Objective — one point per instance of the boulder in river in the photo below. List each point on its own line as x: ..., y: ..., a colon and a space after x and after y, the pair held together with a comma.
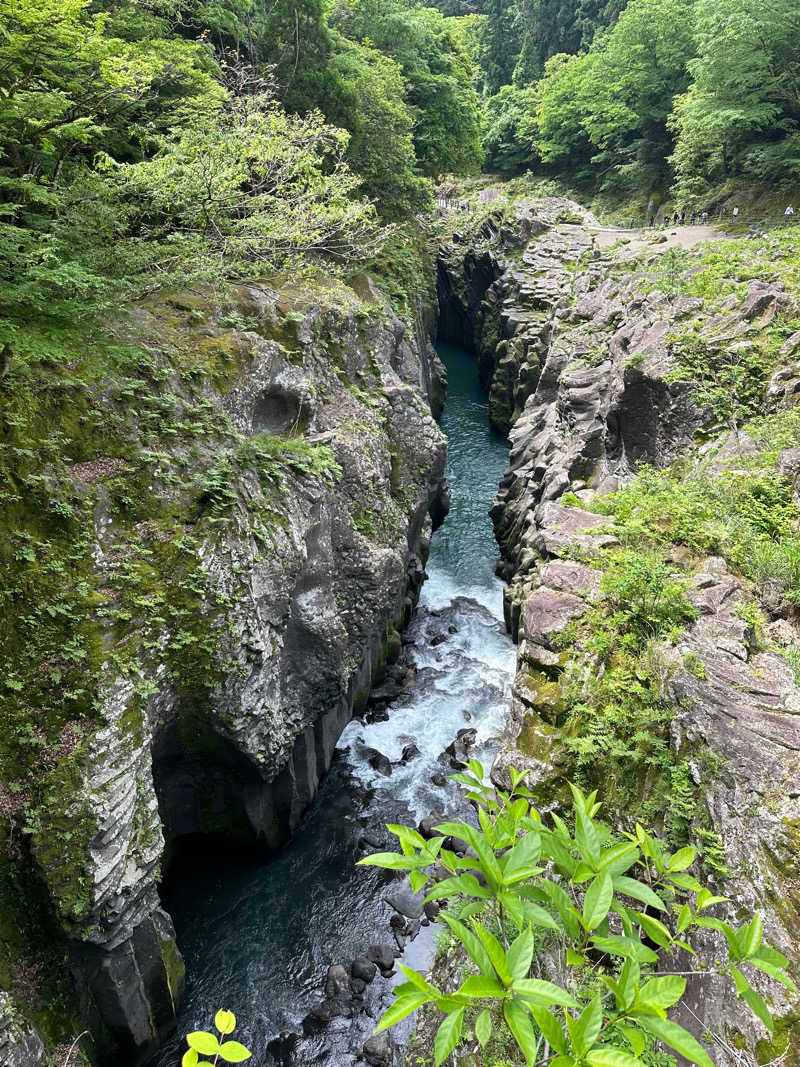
x: 410, y: 751
x: 378, y: 1050
x: 404, y: 900
x: 363, y: 969
x: 337, y: 982
x: 282, y: 1047
x: 382, y: 955
x: 380, y: 763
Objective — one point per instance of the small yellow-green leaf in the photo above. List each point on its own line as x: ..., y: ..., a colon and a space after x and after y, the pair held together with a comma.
x: 189, y: 1058
x: 204, y: 1043
x: 233, y: 1052
x: 225, y: 1022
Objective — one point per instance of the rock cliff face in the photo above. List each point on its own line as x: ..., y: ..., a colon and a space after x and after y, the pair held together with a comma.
x: 582, y: 355
x: 255, y: 593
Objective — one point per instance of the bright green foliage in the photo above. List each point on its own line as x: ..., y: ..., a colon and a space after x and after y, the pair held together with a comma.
x: 614, y: 101
x: 506, y: 137
x: 439, y: 96
x: 252, y: 186
x: 500, y: 44
x: 203, y: 1043
x: 646, y: 597
x: 601, y: 906
x: 749, y: 518
x: 741, y: 115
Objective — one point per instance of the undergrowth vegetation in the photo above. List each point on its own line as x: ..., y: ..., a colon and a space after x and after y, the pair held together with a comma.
x: 566, y: 928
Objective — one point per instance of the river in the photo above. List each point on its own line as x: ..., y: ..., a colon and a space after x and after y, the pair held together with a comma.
x: 258, y: 936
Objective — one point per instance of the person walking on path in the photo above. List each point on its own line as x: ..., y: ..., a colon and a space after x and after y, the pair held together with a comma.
x: 652, y: 221
x: 694, y: 218
x: 789, y: 212
x: 735, y: 213
x: 683, y: 217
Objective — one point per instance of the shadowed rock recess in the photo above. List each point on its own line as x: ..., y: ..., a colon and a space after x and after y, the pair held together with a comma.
x: 303, y: 474
x: 580, y: 350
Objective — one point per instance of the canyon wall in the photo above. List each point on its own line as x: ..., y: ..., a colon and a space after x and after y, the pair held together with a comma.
x: 256, y: 528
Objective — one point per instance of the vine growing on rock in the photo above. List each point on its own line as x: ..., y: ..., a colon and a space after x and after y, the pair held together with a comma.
x: 577, y: 936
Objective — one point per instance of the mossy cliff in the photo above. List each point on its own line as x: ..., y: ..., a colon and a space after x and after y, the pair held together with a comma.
x: 214, y: 516
x: 648, y: 527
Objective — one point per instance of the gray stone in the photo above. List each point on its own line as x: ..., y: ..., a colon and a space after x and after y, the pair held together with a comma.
x: 378, y: 1050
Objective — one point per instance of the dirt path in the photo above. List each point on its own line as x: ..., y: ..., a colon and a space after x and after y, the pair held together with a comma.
x: 676, y: 237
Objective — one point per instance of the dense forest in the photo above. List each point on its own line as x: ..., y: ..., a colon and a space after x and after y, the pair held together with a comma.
x: 142, y: 140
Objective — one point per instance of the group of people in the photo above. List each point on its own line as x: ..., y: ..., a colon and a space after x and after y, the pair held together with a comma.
x: 678, y: 219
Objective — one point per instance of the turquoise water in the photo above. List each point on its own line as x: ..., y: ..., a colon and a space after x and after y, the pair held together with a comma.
x: 258, y: 936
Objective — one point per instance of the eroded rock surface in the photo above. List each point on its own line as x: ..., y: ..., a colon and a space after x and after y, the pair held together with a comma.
x: 331, y: 470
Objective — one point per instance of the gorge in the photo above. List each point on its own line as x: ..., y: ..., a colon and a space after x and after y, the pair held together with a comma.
x: 227, y: 707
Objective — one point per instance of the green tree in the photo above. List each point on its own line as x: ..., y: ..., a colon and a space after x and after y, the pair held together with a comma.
x: 741, y: 115
x: 500, y: 44
x: 438, y: 76
x: 381, y: 146
x: 616, y: 99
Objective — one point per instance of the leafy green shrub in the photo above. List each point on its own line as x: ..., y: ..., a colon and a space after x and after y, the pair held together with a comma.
x: 203, y: 1043
x: 647, y: 598
x: 602, y: 905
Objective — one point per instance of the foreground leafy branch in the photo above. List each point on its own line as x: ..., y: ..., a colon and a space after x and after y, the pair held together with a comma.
x: 203, y: 1043
x: 607, y: 908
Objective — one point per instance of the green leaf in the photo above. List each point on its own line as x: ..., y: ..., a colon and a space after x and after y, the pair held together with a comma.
x: 618, y: 858
x: 632, y: 887
x: 410, y: 840
x: 662, y: 992
x: 521, y: 861
x: 545, y: 992
x: 471, y: 943
x: 685, y: 881
x: 586, y: 837
x: 495, y: 951
x: 598, y: 900
x: 585, y: 1030
x: 520, y: 1025
x: 630, y: 948
x: 483, y: 1028
x: 635, y: 1039
x: 225, y: 1022
x: 550, y: 1027
x: 682, y: 859
x: 774, y: 972
x: 417, y: 981
x: 189, y: 1058
x: 520, y: 954
x: 478, y: 985
x: 206, y: 1044
x: 448, y: 1036
x: 402, y: 1007
x: 611, y: 1057
x: 233, y: 1052
x: 756, y: 1004
x: 753, y: 935
x: 391, y: 861
x: 569, y: 915
x: 654, y: 929
x: 467, y: 884
x: 677, y: 1038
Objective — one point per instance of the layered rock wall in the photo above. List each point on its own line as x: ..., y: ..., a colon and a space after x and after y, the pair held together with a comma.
x: 578, y: 348
x: 304, y: 507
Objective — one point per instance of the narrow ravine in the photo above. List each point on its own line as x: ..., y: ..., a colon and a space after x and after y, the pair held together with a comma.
x: 258, y: 937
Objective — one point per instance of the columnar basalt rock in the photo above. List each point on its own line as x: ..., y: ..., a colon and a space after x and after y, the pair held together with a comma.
x: 315, y: 572
x: 581, y: 366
